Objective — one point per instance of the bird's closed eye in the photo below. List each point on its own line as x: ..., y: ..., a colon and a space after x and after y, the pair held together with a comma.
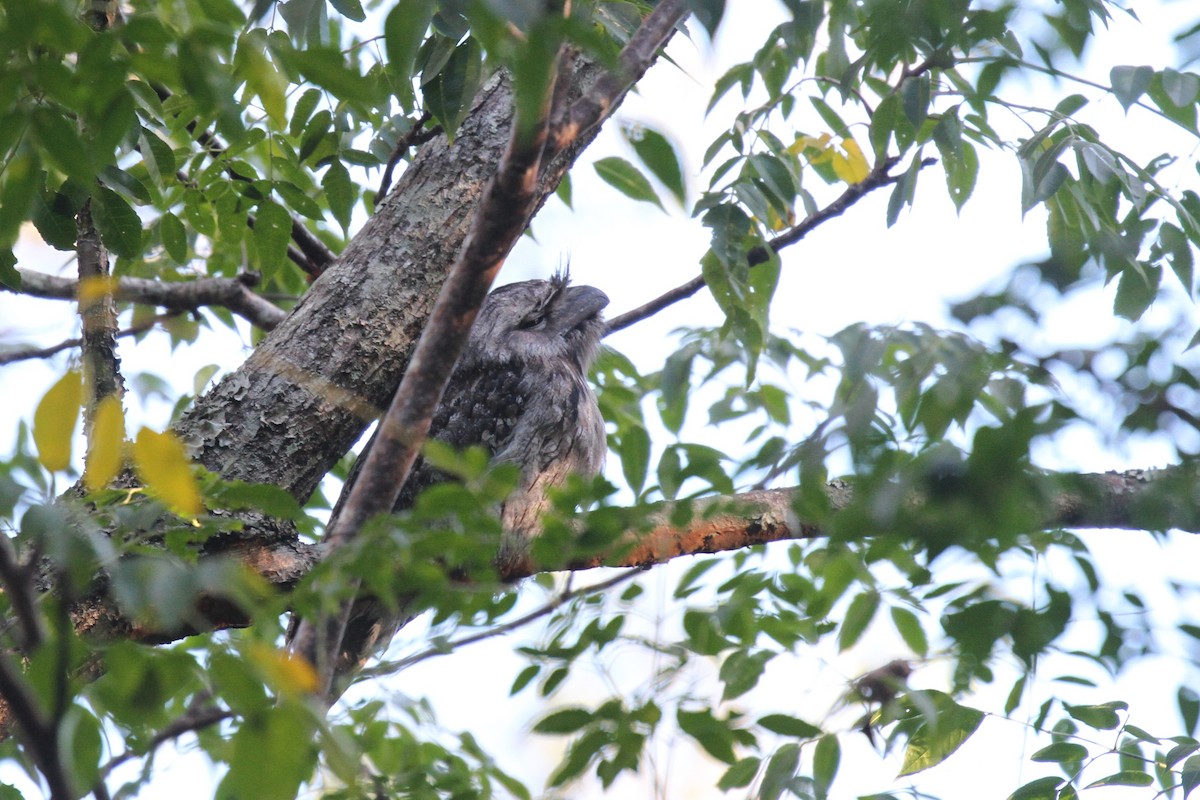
x: 532, y: 321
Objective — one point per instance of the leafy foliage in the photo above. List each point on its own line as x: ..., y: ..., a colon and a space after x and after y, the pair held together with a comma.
x: 206, y: 135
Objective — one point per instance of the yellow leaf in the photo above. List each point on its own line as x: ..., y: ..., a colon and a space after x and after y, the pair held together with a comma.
x: 853, y: 167
x: 104, y: 457
x: 162, y: 466
x: 286, y: 672
x: 54, y: 421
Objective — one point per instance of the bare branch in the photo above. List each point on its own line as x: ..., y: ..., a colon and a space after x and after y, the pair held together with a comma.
x: 45, y: 352
x: 232, y: 293
x: 877, y: 178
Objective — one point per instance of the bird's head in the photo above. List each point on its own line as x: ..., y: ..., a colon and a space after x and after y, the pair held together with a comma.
x: 540, y: 320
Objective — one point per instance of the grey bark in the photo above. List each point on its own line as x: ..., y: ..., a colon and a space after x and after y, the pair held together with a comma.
x: 313, y: 385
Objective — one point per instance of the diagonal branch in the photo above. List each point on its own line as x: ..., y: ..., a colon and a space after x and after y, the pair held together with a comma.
x: 232, y: 293
x: 639, y: 53
x: 877, y: 178
x: 500, y: 219
x: 510, y: 199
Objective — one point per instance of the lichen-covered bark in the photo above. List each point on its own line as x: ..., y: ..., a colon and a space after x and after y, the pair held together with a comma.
x: 313, y: 385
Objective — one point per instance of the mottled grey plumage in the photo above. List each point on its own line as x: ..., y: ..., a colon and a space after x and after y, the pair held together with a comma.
x: 520, y: 391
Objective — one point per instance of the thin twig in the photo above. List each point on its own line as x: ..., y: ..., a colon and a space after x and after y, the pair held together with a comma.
x: 46, y: 352
x: 387, y: 668
x: 232, y: 293
x: 415, y: 135
x: 877, y: 178
x: 196, y: 718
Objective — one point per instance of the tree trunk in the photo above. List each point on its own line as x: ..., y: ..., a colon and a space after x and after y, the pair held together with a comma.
x: 320, y: 377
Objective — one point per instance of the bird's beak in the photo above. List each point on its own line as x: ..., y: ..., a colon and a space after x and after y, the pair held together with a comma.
x: 577, y: 305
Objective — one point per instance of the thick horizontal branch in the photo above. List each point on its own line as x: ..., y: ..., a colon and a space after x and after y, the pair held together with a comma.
x: 1133, y: 500
x: 232, y: 293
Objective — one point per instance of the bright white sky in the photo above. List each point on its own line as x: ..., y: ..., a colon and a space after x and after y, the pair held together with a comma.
x: 851, y: 269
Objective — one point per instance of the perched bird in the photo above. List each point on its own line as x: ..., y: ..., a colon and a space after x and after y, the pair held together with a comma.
x: 520, y: 391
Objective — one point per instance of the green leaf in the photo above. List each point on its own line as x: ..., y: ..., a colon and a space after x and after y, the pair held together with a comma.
x: 524, y: 678
x: 1182, y: 88
x: 714, y: 735
x: 914, y: 95
x: 1069, y: 105
x: 910, y: 629
x: 272, y: 500
x: 789, y: 726
x: 626, y: 179
x: 1061, y: 752
x: 54, y: 218
x: 21, y: 180
x: 675, y: 388
x: 781, y: 769
x: 272, y: 233
x: 449, y: 93
x: 1040, y: 789
x: 119, y: 225
x: 174, y: 237
x: 330, y: 69
x: 836, y: 125
x: 1102, y: 716
x: 826, y: 758
x: 351, y: 9
x: 660, y: 156
x: 59, y: 139
x: 261, y: 75
x: 940, y: 734
x: 9, y: 276
x: 339, y: 192
x: 1189, y: 776
x: 635, y: 456
x: 1125, y: 777
x: 1136, y: 290
x: 80, y: 746
x: 303, y: 110
x: 568, y: 720
x: 708, y: 13
x: 737, y: 776
x: 403, y: 31
x: 740, y: 672
x: 1189, y: 708
x: 272, y: 754
x: 858, y: 616
x: 1130, y: 83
